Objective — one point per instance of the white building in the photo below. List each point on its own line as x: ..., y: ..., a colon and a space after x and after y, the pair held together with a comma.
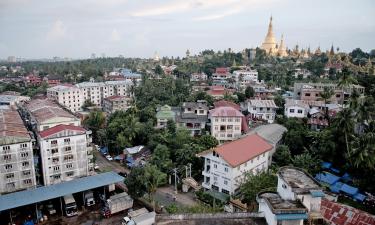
x: 66, y: 153
x: 246, y: 77
x: 12, y: 99
x: 226, y: 165
x: 226, y: 123
x: 298, y: 198
x: 116, y: 102
x: 44, y: 114
x: 16, y: 153
x: 262, y: 109
x: 296, y: 108
x: 198, y: 77
x: 73, y: 97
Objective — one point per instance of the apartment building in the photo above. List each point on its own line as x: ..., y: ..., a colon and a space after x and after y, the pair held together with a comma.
x: 73, y: 97
x: 195, y: 77
x: 116, y: 102
x: 221, y: 77
x: 226, y: 165
x: 66, y: 153
x: 193, y: 116
x: 16, y: 153
x: 245, y: 77
x: 226, y: 123
x: 311, y: 91
x: 262, y: 109
x: 43, y: 114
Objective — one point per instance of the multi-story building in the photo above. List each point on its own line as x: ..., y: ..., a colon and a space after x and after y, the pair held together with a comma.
x: 16, y: 153
x: 245, y: 77
x: 226, y: 165
x: 66, y: 153
x: 74, y: 97
x: 43, y: 114
x: 296, y: 108
x: 262, y: 109
x: 163, y: 114
x: 221, y: 77
x: 12, y: 99
x: 311, y: 91
x: 116, y: 102
x: 195, y: 77
x: 226, y: 123
x: 193, y: 116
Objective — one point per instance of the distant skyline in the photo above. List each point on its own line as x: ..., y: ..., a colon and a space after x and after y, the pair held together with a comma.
x: 77, y: 28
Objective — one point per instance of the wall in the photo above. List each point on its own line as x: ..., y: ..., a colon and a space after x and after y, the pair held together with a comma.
x: 235, y: 132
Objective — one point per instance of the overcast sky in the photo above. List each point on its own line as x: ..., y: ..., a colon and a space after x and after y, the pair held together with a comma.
x: 138, y: 28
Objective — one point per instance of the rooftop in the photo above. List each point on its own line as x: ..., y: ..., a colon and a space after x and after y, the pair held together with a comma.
x: 279, y: 205
x: 68, y: 131
x: 27, y: 197
x: 44, y: 109
x: 300, y: 181
x: 12, y: 129
x: 242, y: 150
x: 262, y: 103
x: 116, y: 98
x: 225, y: 111
x: 226, y: 103
x: 63, y: 87
x: 271, y: 132
x: 8, y: 98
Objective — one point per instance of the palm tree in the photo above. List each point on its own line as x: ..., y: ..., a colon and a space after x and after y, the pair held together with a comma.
x: 346, y: 80
x: 325, y: 96
x: 344, y: 123
x: 154, y: 178
x: 363, y: 151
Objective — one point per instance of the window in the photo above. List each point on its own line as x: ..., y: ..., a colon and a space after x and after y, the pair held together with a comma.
x: 225, y: 191
x: 237, y: 119
x: 229, y: 127
x: 25, y: 164
x: 258, y: 157
x: 263, y: 154
x: 28, y: 181
x: 230, y: 120
x: 56, y: 168
x: 223, y: 119
x: 291, y: 110
x: 69, y: 166
x: 300, y: 111
x: 7, y: 157
x: 307, y: 94
x: 67, y: 140
x: 9, y: 175
x: 216, y: 120
x: 6, y: 148
x: 215, y: 166
x: 24, y: 154
x: 229, y: 135
x: 237, y: 127
x: 69, y: 174
x: 54, y: 142
x: 26, y: 173
x: 55, y: 160
x: 225, y: 182
x: 215, y: 178
x: 54, y: 150
x: 338, y: 96
x: 226, y: 169
x: 8, y: 166
x: 24, y: 145
x: 68, y: 148
x: 222, y: 128
x: 68, y: 157
x: 216, y: 128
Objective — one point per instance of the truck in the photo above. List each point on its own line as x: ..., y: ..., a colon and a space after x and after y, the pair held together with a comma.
x: 70, y: 205
x: 117, y: 203
x: 139, y: 217
x: 89, y: 198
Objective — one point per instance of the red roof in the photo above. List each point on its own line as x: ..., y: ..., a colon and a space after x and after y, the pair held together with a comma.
x: 59, y: 128
x: 225, y: 111
x: 114, y: 97
x: 226, y: 103
x: 336, y: 213
x: 242, y: 150
x: 222, y: 70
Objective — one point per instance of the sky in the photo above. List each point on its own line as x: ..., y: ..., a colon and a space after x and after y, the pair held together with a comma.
x: 139, y: 28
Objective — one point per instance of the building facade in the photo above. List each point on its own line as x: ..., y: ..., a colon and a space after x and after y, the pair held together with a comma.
x: 196, y: 77
x: 164, y: 113
x: 66, y: 153
x: 262, y: 109
x: 226, y: 165
x: 244, y: 78
x: 17, y: 170
x: 116, y: 102
x: 193, y: 116
x: 226, y: 123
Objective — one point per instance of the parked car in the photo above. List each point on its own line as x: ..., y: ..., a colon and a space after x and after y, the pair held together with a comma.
x: 109, y: 157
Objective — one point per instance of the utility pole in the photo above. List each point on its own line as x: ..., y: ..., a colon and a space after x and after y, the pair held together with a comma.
x: 175, y: 180
x: 186, y: 171
x: 189, y: 169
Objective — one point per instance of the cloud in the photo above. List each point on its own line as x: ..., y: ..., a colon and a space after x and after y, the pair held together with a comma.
x: 57, y: 31
x: 115, y: 36
x: 217, y: 16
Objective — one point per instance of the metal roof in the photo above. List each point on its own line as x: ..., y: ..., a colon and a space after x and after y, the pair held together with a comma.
x: 27, y: 197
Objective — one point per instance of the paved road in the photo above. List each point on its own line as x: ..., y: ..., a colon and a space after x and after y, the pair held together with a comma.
x: 165, y: 196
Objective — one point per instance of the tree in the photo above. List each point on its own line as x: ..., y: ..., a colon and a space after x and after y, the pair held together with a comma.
x: 249, y: 92
x: 362, y: 154
x: 346, y: 79
x: 171, y: 127
x: 344, y: 124
x: 253, y: 184
x: 161, y: 158
x: 207, y: 142
x: 153, y: 179
x: 307, y: 162
x: 326, y: 96
x: 136, y: 182
x: 159, y: 70
x: 282, y: 156
x: 94, y: 122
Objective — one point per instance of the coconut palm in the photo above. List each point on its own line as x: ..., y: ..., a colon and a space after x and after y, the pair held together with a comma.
x: 344, y: 122
x: 362, y: 153
x: 325, y: 96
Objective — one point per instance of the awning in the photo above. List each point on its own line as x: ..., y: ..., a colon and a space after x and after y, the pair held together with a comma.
x: 27, y: 197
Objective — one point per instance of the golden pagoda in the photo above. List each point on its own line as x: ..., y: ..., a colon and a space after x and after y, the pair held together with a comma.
x: 282, y: 49
x: 269, y: 44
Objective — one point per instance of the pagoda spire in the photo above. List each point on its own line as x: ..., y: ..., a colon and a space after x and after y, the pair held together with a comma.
x: 269, y: 44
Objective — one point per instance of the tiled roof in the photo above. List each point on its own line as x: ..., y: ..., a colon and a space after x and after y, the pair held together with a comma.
x: 339, y: 214
x: 43, y: 109
x: 225, y: 111
x: 242, y: 150
x: 59, y: 128
x: 116, y: 97
x: 12, y: 129
x: 226, y: 103
x: 262, y: 103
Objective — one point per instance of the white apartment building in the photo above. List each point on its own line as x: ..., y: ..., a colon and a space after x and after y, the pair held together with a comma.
x: 244, y: 78
x: 226, y: 123
x: 262, y: 109
x: 198, y: 77
x: 66, y: 153
x: 73, y: 97
x: 16, y: 153
x: 116, y: 102
x: 296, y: 108
x: 43, y: 114
x: 226, y: 165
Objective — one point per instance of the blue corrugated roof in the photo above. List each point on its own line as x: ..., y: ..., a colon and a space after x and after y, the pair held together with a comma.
x: 27, y: 197
x: 359, y: 197
x: 292, y: 216
x: 349, y: 189
x: 336, y: 187
x: 326, y: 165
x: 317, y: 193
x: 327, y: 178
